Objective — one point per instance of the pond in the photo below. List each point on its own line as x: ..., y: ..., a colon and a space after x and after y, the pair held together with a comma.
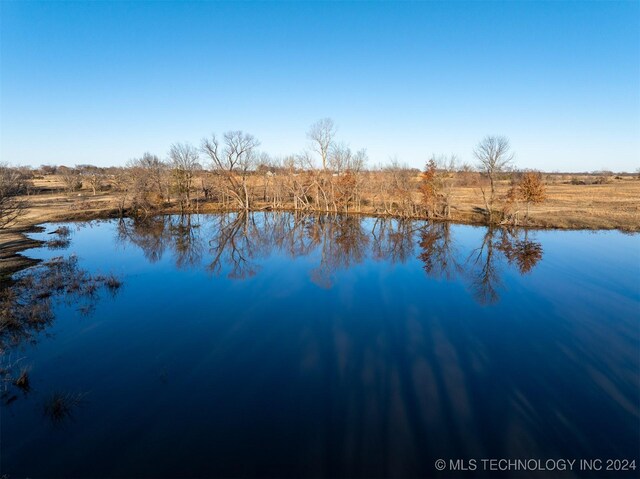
x: 283, y: 345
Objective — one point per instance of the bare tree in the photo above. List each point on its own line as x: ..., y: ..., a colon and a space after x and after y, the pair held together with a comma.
x: 147, y: 184
x: 95, y: 181
x: 156, y: 171
x: 184, y: 162
x: 12, y: 185
x: 321, y: 133
x: 48, y: 169
x: 494, y: 156
x: 339, y: 157
x: 121, y: 184
x: 396, y: 189
x: 71, y: 179
x: 234, y: 159
x: 345, y: 184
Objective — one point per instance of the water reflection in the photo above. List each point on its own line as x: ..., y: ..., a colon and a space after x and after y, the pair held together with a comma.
x: 279, y: 345
x: 438, y: 252
x: 27, y: 304
x: 236, y: 244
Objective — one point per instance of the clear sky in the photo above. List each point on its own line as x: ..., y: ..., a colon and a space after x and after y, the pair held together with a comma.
x: 102, y: 82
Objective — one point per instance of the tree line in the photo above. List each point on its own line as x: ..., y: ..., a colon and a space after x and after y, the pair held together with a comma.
x: 230, y: 172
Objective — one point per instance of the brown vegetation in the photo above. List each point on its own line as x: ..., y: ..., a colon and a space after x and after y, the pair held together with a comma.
x: 392, y: 191
x: 26, y: 308
x: 26, y: 302
x: 389, y: 191
x: 236, y: 176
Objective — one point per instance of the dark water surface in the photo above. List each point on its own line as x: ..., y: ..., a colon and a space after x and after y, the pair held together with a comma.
x: 276, y: 345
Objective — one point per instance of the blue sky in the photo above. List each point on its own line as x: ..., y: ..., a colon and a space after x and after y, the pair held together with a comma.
x: 102, y: 82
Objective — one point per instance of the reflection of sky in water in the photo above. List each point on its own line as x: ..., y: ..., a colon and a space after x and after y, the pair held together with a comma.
x: 349, y: 348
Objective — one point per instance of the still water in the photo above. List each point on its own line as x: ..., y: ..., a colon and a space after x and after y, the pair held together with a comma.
x: 280, y: 345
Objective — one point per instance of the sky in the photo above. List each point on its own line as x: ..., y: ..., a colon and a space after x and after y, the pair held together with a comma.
x: 103, y: 82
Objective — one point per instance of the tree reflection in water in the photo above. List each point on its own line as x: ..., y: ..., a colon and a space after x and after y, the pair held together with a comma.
x: 371, y: 377
x: 27, y: 305
x: 439, y: 254
x: 235, y: 243
x: 393, y: 239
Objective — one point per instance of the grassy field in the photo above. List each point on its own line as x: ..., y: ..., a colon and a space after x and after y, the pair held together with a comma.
x: 612, y: 205
x: 573, y: 202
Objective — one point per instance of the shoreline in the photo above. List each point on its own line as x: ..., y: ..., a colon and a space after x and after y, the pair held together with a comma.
x: 15, y: 240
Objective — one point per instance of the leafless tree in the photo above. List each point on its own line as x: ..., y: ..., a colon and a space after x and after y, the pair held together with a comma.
x: 184, y: 162
x: 341, y: 158
x: 71, y: 179
x: 346, y: 187
x: 122, y: 185
x: 494, y: 156
x: 321, y: 133
x: 95, y: 181
x: 233, y: 160
x: 48, y: 169
x: 396, y: 190
x: 157, y: 172
x: 148, y: 184
x: 91, y: 175
x: 12, y: 185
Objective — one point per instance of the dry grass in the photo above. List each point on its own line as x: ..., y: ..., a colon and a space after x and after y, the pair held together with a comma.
x: 615, y: 204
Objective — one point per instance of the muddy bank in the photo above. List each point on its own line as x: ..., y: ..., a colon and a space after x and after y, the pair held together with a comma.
x: 12, y: 243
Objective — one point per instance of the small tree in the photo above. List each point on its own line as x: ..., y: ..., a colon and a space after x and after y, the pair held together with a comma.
x: 428, y: 186
x: 436, y: 184
x: 121, y: 183
x: 12, y: 185
x: 531, y: 189
x: 494, y: 156
x: 321, y: 133
x: 156, y: 171
x: 184, y: 162
x: 71, y: 179
x: 397, y: 189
